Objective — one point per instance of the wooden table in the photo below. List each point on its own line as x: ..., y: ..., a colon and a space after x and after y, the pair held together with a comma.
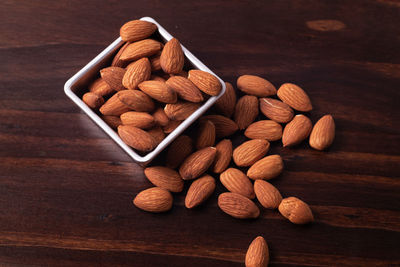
x: 66, y: 189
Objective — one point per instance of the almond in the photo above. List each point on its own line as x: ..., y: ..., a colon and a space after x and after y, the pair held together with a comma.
x: 250, y: 151
x: 137, y: 138
x: 158, y: 91
x: 157, y: 78
x: 136, y: 100
x: 223, y: 156
x: 276, y: 110
x: 180, y: 110
x: 266, y: 168
x: 296, y: 211
x: 143, y: 48
x: 112, y: 121
x: 178, y: 151
x: 113, y: 77
x: 172, y: 58
x: 323, y: 133
x: 257, y: 254
x: 264, y: 129
x: 223, y: 125
x: 237, y: 182
x: 296, y: 131
x: 155, y: 62
x: 205, y: 81
x: 136, y: 30
x: 246, y: 111
x: 238, y: 206
x: 165, y: 178
x: 182, y: 73
x: 197, y: 163
x: 171, y: 126
x: 226, y: 104
x: 100, y: 87
x: 295, y: 97
x: 114, y: 106
x: 205, y: 135
x: 157, y: 133
x: 141, y: 120
x: 93, y: 100
x: 117, y: 62
x: 267, y: 194
x: 199, y: 191
x: 154, y: 199
x: 160, y: 117
x: 254, y: 85
x: 137, y: 72
x: 185, y: 89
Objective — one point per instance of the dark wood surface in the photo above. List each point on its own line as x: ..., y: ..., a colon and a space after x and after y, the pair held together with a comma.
x: 66, y: 189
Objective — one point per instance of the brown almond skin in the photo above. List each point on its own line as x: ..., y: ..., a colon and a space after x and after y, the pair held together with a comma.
x: 223, y: 125
x: 206, y: 135
x: 250, y: 151
x: 171, y: 126
x: 295, y: 97
x: 296, y: 131
x: 137, y: 138
x: 255, y: 85
x: 323, y: 133
x: 157, y: 78
x: 137, y: 72
x: 154, y: 199
x: 93, y: 100
x: 117, y: 62
x: 160, y: 117
x: 197, y: 163
x: 179, y: 149
x: 238, y: 206
x: 296, y: 210
x: 185, y: 89
x: 223, y: 156
x: 267, y: 194
x: 199, y: 191
x: 258, y: 253
x: 172, y: 58
x: 276, y: 110
x: 136, y: 30
x: 266, y: 168
x: 112, y: 121
x: 136, y: 100
x: 158, y: 91
x: 114, y: 106
x: 100, y: 87
x: 180, y: 110
x: 164, y: 177
x: 113, y: 77
x: 264, y: 129
x: 141, y: 120
x: 139, y: 49
x: 205, y: 81
x: 237, y: 182
x: 246, y: 111
x: 157, y: 133
x: 155, y: 62
x: 227, y: 103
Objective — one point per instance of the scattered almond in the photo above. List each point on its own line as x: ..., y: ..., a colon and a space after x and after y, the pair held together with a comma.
x: 172, y: 58
x: 137, y: 72
x: 295, y: 97
x: 223, y: 125
x: 250, y: 151
x: 226, y: 104
x: 154, y: 199
x: 276, y: 110
x: 237, y: 182
x: 199, y: 191
x: 238, y: 206
x: 264, y: 129
x: 267, y: 194
x: 158, y: 91
x: 223, y: 156
x: 254, y: 85
x: 136, y: 100
x: 139, y: 49
x: 205, y: 135
x: 246, y: 111
x: 93, y: 100
x: 117, y: 62
x: 185, y: 89
x: 323, y: 133
x: 197, y: 163
x: 180, y: 149
x: 180, y: 110
x: 165, y: 178
x: 113, y: 77
x: 114, y: 106
x: 136, y: 30
x: 296, y: 211
x: 296, y: 131
x: 100, y: 87
x: 205, y: 81
x: 141, y: 120
x: 266, y: 168
x: 257, y: 254
x: 136, y: 138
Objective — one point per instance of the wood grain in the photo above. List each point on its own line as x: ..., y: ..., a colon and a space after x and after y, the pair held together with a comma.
x: 66, y: 189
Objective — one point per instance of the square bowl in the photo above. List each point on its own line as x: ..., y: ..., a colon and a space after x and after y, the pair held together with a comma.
x: 78, y: 84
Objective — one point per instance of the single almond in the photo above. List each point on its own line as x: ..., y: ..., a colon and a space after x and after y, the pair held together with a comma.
x: 223, y: 156
x: 267, y: 194
x: 199, y: 191
x: 172, y: 58
x: 254, y: 85
x: 296, y: 210
x: 250, y: 151
x: 223, y: 125
x: 136, y: 100
x: 160, y: 117
x: 257, y: 254
x: 100, y: 87
x: 238, y: 206
x: 136, y: 30
x: 205, y: 135
x: 246, y: 111
x: 117, y: 62
x: 171, y: 126
x: 137, y: 72
x: 139, y: 49
x: 93, y: 100
x: 158, y: 91
x: 154, y: 199
x: 179, y: 149
x: 205, y: 81
x: 165, y: 178
x: 180, y: 110
x: 323, y: 133
x: 114, y: 106
x: 185, y: 89
x: 226, y: 104
x: 155, y: 62
x: 136, y: 138
x: 157, y: 133
x: 266, y: 168
x: 138, y: 119
x: 112, y: 121
x: 295, y: 97
x: 197, y: 163
x: 276, y: 110
x: 296, y: 131
x: 264, y: 129
x: 237, y: 182
x: 113, y: 77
